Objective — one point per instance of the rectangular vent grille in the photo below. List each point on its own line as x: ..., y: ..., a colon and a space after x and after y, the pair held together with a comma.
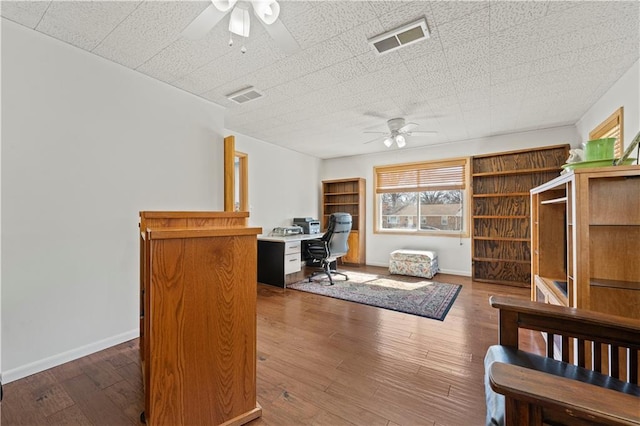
x: 400, y: 37
x: 244, y: 95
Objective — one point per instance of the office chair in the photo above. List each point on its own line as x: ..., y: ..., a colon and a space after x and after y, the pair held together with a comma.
x: 331, y: 246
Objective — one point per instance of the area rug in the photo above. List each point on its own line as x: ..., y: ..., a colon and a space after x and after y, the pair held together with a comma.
x: 416, y: 296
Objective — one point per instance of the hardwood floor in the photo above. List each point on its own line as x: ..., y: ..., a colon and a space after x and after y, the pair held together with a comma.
x: 321, y: 361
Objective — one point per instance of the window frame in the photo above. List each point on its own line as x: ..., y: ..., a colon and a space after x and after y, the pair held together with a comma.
x: 616, y: 119
x: 436, y: 164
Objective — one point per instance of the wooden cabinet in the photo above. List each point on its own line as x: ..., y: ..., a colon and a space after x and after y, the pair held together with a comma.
x: 586, y: 240
x: 501, y: 247
x: 348, y: 196
x: 198, y: 318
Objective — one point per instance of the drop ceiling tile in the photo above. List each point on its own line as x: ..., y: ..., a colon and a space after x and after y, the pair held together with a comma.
x: 347, y: 70
x: 555, y: 62
x: 512, y: 13
x: 150, y: 28
x: 84, y: 24
x: 374, y: 62
x: 432, y: 91
x: 472, y: 50
x: 381, y: 7
x: 424, y: 64
x: 509, y: 59
x: 27, y: 13
x: 465, y: 29
x: 429, y: 72
x: 471, y: 69
x: 408, y: 12
x: 180, y: 59
x: 448, y: 11
x: 325, y: 54
x: 560, y: 6
x: 356, y: 39
x: 326, y: 20
x: 472, y: 83
x: 346, y: 14
x: 293, y: 8
x: 504, y: 75
x: 520, y: 37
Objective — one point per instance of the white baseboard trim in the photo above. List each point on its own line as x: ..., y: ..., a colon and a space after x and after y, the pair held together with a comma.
x: 444, y: 271
x: 55, y: 360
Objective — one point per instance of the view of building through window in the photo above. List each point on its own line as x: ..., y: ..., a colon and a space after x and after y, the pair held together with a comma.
x: 430, y: 210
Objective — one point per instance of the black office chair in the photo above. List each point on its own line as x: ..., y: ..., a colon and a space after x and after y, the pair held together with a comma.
x: 331, y: 246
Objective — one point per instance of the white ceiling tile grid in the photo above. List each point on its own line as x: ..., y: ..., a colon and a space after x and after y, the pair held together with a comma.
x: 489, y: 67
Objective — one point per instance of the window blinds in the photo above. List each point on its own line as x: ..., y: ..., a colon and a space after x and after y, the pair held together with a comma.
x: 611, y: 128
x: 418, y: 177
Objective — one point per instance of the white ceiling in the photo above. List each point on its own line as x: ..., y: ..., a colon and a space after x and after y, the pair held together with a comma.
x: 489, y: 67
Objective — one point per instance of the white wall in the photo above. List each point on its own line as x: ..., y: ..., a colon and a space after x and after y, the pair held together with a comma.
x: 454, y: 253
x: 283, y: 184
x: 626, y: 93
x: 86, y: 145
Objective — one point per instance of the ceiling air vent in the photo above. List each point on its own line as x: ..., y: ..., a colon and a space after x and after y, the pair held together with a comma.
x: 400, y: 37
x: 245, y: 95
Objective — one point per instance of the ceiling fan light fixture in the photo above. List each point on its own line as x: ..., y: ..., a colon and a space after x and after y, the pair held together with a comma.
x: 224, y: 5
x: 266, y: 10
x: 239, y: 22
x: 400, y: 140
x: 388, y: 142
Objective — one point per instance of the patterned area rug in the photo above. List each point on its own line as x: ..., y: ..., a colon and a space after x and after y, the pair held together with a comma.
x: 411, y: 295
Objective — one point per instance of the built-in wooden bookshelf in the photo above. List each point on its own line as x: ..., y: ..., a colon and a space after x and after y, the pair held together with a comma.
x: 586, y: 234
x: 501, y: 247
x: 348, y: 196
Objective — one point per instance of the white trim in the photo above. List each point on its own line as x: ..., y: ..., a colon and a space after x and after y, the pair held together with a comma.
x: 55, y: 360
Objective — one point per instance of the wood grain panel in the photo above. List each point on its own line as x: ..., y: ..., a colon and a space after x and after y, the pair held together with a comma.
x: 607, y: 248
x: 607, y: 196
x: 501, y: 206
x: 505, y: 184
x: 514, y: 250
x: 353, y: 255
x: 501, y: 228
x: 202, y: 365
x: 521, y: 160
x: 503, y: 272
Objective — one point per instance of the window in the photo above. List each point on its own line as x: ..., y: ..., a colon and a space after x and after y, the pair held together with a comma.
x: 422, y: 198
x: 611, y: 128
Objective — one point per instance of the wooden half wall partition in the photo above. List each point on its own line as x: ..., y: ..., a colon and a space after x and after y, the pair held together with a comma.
x: 198, y: 275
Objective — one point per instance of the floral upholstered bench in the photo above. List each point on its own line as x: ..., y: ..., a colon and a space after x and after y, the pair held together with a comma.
x: 417, y: 263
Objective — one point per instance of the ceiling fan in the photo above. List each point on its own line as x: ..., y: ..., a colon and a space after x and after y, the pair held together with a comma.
x: 399, y: 130
x: 267, y: 12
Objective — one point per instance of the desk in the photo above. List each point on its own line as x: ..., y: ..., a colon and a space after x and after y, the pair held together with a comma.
x: 280, y: 259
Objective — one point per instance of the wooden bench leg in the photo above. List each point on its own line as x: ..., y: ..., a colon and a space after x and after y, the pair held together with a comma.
x: 520, y: 413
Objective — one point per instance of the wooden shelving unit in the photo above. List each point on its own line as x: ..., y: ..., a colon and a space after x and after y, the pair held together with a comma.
x: 586, y: 234
x: 501, y: 249
x: 347, y: 195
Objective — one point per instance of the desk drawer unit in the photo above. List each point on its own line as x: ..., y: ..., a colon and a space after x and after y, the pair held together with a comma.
x: 277, y: 259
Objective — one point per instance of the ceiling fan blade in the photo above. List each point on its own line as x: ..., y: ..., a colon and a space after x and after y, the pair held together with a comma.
x: 407, y: 127
x: 424, y: 132
x: 382, y: 133
x: 374, y: 114
x: 203, y: 23
x: 281, y: 35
